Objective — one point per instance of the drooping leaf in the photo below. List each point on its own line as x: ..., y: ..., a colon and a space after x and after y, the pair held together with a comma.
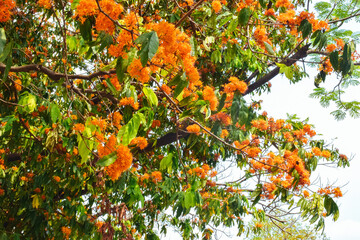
x: 149, y: 45
x: 107, y: 160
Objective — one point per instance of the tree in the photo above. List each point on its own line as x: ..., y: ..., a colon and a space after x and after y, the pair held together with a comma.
x: 116, y: 116
x: 288, y: 228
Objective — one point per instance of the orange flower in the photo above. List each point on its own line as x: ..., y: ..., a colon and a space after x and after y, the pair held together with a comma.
x: 260, y: 124
x: 129, y: 101
x: 137, y: 71
x: 45, y: 4
x: 122, y: 163
x: 6, y: 7
x: 140, y: 142
x: 194, y: 128
x: 156, y: 123
x: 326, y: 154
x: 234, y: 85
x: 216, y: 5
x: 156, y: 176
x: 57, y: 178
x: 306, y: 193
x: 79, y: 127
x: 316, y: 151
x: 113, y: 10
x: 331, y: 47
x: 209, y: 95
x: 66, y: 231
x: 224, y: 133
x: 18, y: 85
x: 270, y: 12
x: 86, y: 8
x: 222, y: 117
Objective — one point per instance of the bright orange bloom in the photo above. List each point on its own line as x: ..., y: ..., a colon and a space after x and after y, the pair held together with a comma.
x: 86, y: 8
x: 140, y: 142
x: 270, y: 12
x: 260, y: 124
x: 222, y: 117
x: 326, y: 154
x: 18, y: 85
x: 113, y: 10
x: 79, y: 127
x: 306, y: 193
x: 216, y: 5
x: 209, y: 95
x: 66, y: 231
x: 235, y: 85
x: 129, y: 101
x: 137, y: 71
x: 193, y: 128
x: 45, y: 3
x: 316, y: 151
x: 6, y: 7
x: 224, y: 133
x: 57, y: 178
x: 331, y: 47
x: 156, y: 176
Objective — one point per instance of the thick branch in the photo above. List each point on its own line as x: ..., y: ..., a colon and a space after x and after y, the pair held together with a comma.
x: 52, y: 74
x: 302, y: 53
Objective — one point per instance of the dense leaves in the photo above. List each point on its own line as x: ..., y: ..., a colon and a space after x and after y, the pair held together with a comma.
x: 127, y: 119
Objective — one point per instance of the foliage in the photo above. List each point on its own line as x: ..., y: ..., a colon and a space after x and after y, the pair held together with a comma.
x: 116, y: 116
x: 289, y: 228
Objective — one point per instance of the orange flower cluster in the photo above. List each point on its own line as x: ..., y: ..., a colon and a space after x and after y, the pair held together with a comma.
x: 125, y: 38
x: 137, y: 71
x: 140, y: 142
x: 155, y: 124
x: 209, y: 95
x: 113, y: 10
x: 57, y: 178
x: 115, y: 82
x: 101, y: 123
x: 194, y: 128
x: 129, y: 101
x: 222, y: 117
x: 224, y: 133
x: 6, y: 7
x: 260, y: 36
x: 18, y: 85
x: 174, y: 50
x: 156, y: 176
x: 87, y: 8
x: 260, y: 124
x: 326, y: 66
x: 235, y: 85
x: 123, y: 157
x: 269, y: 12
x: 201, y: 172
x: 216, y: 5
x: 66, y: 231
x: 116, y: 119
x: 247, y: 3
x: 328, y: 190
x: 79, y: 127
x: 284, y: 3
x: 45, y: 3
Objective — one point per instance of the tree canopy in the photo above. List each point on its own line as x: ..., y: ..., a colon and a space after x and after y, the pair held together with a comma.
x: 122, y: 119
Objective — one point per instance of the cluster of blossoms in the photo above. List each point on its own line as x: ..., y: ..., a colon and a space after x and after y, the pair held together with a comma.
x: 330, y: 190
x: 6, y: 7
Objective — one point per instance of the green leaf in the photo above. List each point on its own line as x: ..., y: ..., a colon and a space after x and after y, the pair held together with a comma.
x: 129, y: 131
x: 334, y: 59
x: 149, y: 45
x: 181, y: 85
x: 2, y: 39
x: 151, y: 96
x: 305, y: 27
x: 166, y: 163
x: 54, y: 112
x: 189, y: 199
x: 268, y: 48
x: 6, y: 52
x: 28, y: 101
x: 120, y: 69
x: 244, y: 16
x: 85, y: 146
x: 107, y: 160
x: 8, y: 66
x: 85, y: 30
